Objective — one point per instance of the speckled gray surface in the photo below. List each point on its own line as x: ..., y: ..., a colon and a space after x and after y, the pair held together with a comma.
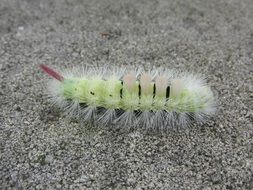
x: 40, y: 149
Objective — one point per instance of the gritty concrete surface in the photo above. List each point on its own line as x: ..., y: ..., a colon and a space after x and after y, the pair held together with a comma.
x: 40, y: 149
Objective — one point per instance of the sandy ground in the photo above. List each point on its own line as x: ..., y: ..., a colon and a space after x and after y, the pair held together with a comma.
x: 40, y: 149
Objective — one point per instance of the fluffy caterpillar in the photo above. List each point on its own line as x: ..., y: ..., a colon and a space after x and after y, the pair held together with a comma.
x: 158, y: 99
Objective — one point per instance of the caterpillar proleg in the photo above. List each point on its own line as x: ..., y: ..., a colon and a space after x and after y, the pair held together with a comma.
x: 157, y: 99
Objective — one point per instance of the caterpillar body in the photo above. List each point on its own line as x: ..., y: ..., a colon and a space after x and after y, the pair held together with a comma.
x: 158, y: 99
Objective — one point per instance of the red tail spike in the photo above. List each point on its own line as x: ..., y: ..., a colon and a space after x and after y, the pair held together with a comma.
x: 51, y: 72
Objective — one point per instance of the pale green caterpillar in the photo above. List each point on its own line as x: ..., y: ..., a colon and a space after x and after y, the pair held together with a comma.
x: 161, y: 99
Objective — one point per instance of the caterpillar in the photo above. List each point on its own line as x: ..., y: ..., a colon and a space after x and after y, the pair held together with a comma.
x: 156, y: 99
